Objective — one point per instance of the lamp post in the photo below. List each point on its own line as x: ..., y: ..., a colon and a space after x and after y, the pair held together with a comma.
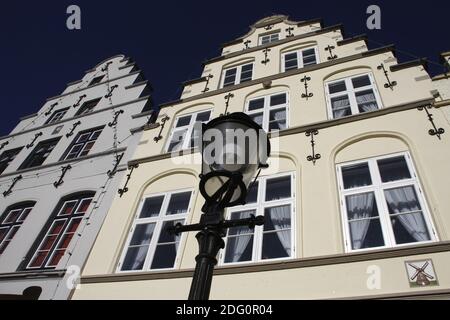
x: 233, y: 149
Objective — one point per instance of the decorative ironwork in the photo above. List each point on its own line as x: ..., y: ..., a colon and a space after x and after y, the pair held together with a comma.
x: 74, y: 126
x: 389, y: 84
x: 79, y: 101
x: 116, y: 116
x: 36, y: 136
x: 49, y: 111
x: 330, y: 50
x: 246, y: 43
x: 4, y: 144
x: 208, y: 77
x: 268, y: 27
x: 315, y: 156
x: 125, y: 187
x: 289, y: 31
x: 163, y: 123
x: 56, y: 184
x: 112, y: 172
x: 110, y: 92
x: 9, y: 191
x: 227, y: 102
x: 435, y: 131
x: 105, y: 68
x: 266, y: 60
x: 307, y: 94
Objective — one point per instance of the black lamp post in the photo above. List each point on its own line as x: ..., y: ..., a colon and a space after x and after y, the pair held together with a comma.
x: 233, y: 148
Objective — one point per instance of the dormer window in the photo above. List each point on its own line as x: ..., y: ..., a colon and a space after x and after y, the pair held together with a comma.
x: 88, y: 107
x: 57, y: 116
x: 268, y: 38
x: 236, y: 75
x: 96, y: 80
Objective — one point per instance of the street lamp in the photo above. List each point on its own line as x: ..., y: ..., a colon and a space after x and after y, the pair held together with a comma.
x: 233, y: 149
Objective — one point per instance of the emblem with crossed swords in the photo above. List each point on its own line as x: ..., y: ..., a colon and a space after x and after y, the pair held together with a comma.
x: 423, y: 278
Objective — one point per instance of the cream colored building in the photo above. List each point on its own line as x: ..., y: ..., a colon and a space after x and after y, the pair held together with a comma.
x: 369, y: 218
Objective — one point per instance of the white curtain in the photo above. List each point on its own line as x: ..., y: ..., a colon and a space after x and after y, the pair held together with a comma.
x: 280, y: 117
x: 281, y: 219
x: 141, y: 239
x: 405, y: 200
x: 257, y: 118
x: 367, y: 102
x: 359, y: 207
x: 241, y: 237
x: 340, y: 106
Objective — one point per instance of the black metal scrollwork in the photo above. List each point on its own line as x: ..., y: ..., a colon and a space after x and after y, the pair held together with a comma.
x: 109, y: 94
x: 208, y: 77
x: 112, y: 172
x: 246, y: 43
x: 307, y: 94
x: 4, y: 144
x: 435, y: 131
x: 116, y: 116
x: 266, y: 59
x: 389, y: 84
x: 330, y: 50
x: 289, y: 31
x: 79, y: 100
x: 314, y: 156
x: 56, y: 184
x: 163, y: 123
x: 9, y: 191
x: 74, y: 126
x: 49, y: 111
x: 227, y: 102
x: 125, y: 187
x: 36, y: 136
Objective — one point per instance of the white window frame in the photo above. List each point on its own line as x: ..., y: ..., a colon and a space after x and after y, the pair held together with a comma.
x: 378, y: 188
x: 299, y: 57
x: 57, y: 116
x: 267, y: 108
x: 78, y: 153
x: 189, y: 128
x: 238, y: 68
x: 159, y: 222
x: 259, y: 207
x: 270, y: 35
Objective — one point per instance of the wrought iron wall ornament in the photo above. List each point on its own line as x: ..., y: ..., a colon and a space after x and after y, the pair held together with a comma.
x: 110, y: 92
x: 105, y: 68
x: 79, y: 101
x: 208, y: 77
x: 435, y: 131
x: 246, y: 43
x: 112, y: 172
x: 266, y: 51
x: 314, y: 156
x: 307, y: 94
x: 74, y: 126
x: 4, y: 144
x: 9, y: 191
x: 227, y: 102
x: 289, y: 31
x: 268, y: 27
x: 116, y: 116
x: 389, y: 84
x: 49, y: 111
x: 330, y: 50
x: 163, y: 123
x: 36, y: 136
x: 56, y: 184
x: 125, y: 187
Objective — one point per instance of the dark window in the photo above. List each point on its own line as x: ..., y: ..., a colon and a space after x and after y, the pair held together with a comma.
x: 39, y: 154
x: 53, y: 242
x: 57, y: 116
x: 82, y: 144
x: 88, y: 107
x: 10, y: 222
x: 7, y: 157
x: 96, y: 80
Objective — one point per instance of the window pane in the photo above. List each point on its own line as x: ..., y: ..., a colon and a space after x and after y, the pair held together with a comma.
x: 151, y: 207
x: 361, y: 81
x: 246, y: 73
x: 278, y: 188
x: 277, y: 218
x: 278, y: 99
x: 341, y: 107
x: 183, y: 121
x: 142, y: 234
x: 410, y: 228
x: 230, y: 77
x: 179, y: 203
x: 84, y: 205
x: 257, y: 117
x: 252, y: 194
x: 393, y: 169
x: 277, y: 119
x: 361, y: 206
x: 165, y: 255
x: 309, y: 52
x: 203, y: 116
x: 402, y: 200
x: 366, y: 233
x: 177, y: 140
x: 276, y: 245
x: 290, y: 64
x: 256, y: 104
x: 309, y: 60
x: 337, y: 87
x: 68, y: 208
x: 236, y: 231
x: 356, y: 176
x: 239, y: 249
x: 135, y: 258
x: 12, y: 216
x: 24, y: 214
x: 366, y: 101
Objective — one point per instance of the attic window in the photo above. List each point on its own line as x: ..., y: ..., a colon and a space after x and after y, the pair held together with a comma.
x: 96, y: 80
x: 88, y: 106
x: 268, y: 38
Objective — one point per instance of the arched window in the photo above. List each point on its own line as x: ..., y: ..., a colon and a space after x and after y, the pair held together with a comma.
x: 11, y: 221
x: 56, y: 236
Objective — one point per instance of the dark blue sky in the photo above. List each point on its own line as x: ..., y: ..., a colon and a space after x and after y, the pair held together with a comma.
x: 169, y: 39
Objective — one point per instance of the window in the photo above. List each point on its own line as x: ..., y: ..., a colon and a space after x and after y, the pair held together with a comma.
x: 299, y: 58
x: 237, y: 75
x: 82, y: 144
x: 7, y: 157
x: 39, y: 154
x: 183, y: 135
x: 382, y: 204
x: 11, y: 221
x: 96, y: 80
x: 353, y: 95
x: 272, y: 197
x: 268, y: 38
x: 57, y: 116
x: 88, y: 107
x: 60, y: 231
x: 149, y: 245
x: 270, y: 112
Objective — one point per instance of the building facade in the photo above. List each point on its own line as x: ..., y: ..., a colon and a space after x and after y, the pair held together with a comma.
x: 59, y: 171
x: 355, y: 196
